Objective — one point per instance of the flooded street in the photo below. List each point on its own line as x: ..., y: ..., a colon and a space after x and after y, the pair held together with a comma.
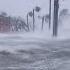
x: 34, y: 54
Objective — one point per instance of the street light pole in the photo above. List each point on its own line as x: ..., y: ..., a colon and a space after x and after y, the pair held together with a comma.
x: 55, y: 19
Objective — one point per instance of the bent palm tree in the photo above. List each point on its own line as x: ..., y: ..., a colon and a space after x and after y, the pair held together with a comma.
x: 44, y: 19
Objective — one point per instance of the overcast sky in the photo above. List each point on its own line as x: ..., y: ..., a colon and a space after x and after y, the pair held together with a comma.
x: 21, y: 7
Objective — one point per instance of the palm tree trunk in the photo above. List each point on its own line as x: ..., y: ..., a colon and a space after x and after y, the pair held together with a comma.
x: 49, y: 14
x: 33, y: 20
x: 42, y: 22
x: 9, y: 23
x: 27, y: 22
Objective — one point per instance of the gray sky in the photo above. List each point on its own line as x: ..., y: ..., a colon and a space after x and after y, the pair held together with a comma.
x: 21, y: 7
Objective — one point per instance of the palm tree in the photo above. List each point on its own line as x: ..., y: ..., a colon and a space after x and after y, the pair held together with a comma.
x: 27, y: 22
x: 49, y: 13
x: 64, y: 13
x: 3, y: 14
x: 20, y: 24
x: 32, y: 14
x: 44, y: 19
x: 47, y: 17
x: 29, y: 14
x: 43, y: 22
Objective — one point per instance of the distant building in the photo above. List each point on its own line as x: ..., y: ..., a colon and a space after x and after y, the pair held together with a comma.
x: 13, y: 24
x: 4, y: 24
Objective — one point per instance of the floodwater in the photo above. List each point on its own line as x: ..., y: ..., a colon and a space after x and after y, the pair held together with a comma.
x: 17, y: 53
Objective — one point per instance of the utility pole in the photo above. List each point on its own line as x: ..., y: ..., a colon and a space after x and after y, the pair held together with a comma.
x: 49, y: 13
x: 55, y: 19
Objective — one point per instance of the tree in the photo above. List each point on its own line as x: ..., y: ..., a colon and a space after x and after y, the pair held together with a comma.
x: 32, y: 14
x: 29, y: 14
x: 20, y: 24
x: 49, y: 13
x: 27, y: 22
x: 37, y: 9
x: 44, y: 18
x: 47, y: 17
x: 43, y: 22
x: 64, y: 13
x: 3, y: 14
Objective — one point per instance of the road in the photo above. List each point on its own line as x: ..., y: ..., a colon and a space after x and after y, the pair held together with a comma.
x: 34, y: 54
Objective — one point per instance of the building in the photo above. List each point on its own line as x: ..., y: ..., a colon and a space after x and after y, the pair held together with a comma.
x: 4, y: 24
